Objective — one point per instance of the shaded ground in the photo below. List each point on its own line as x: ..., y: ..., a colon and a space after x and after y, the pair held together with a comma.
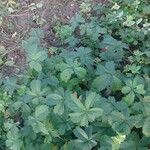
x: 16, y: 26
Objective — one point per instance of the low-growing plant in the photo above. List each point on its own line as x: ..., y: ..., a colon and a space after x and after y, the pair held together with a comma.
x: 92, y: 94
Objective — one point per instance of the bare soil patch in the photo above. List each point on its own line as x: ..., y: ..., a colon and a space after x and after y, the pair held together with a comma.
x: 17, y: 25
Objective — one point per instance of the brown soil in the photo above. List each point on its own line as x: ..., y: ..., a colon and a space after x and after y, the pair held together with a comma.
x: 16, y: 26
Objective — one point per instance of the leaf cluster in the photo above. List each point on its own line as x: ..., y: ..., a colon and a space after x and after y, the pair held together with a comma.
x: 91, y: 94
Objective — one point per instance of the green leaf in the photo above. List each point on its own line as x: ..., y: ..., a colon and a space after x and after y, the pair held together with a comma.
x: 90, y: 99
x: 114, y: 49
x: 140, y: 89
x: 38, y: 56
x: 84, y: 141
x: 146, y: 127
x: 126, y: 89
x: 133, y: 88
x: 131, y: 142
x: 84, y: 55
x: 58, y: 101
x: 76, y: 104
x: 129, y: 99
x: 76, y: 20
x: 35, y: 65
x: 66, y: 75
x: 80, y: 72
x: 107, y: 77
x: 63, y: 31
x: 102, y: 82
x: 42, y: 128
x: 10, y: 85
x: 69, y: 68
x: 59, y: 108
x: 37, y: 125
x: 41, y: 112
x: 117, y: 84
x: 146, y: 9
x: 13, y: 141
x: 84, y: 114
x: 35, y: 87
x: 80, y: 133
x: 35, y: 54
x: 119, y: 123
x: 146, y: 105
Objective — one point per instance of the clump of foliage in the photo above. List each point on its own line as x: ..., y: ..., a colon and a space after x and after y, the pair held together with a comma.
x: 92, y: 94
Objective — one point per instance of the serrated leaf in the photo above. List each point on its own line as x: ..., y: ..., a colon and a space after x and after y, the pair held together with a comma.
x: 41, y: 112
x: 35, y: 86
x: 66, y: 75
x: 119, y: 123
x: 35, y: 65
x: 83, y: 115
x: 85, y: 55
x: 90, y: 99
x: 83, y: 140
x: 129, y: 99
x: 77, y: 20
x: 114, y: 49
x: 146, y: 127
x: 102, y: 82
x: 80, y: 72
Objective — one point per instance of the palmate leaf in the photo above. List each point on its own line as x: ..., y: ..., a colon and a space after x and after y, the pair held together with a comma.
x: 62, y: 123
x: 133, y: 87
x: 66, y: 74
x: 69, y: 68
x: 114, y: 49
x: 92, y: 29
x: 136, y: 85
x: 129, y: 98
x: 106, y: 143
x: 84, y: 55
x: 57, y: 100
x: 80, y: 72
x: 85, y: 141
x: 72, y: 41
x: 107, y: 77
x: 76, y: 20
x: 119, y: 123
x: 134, y: 142
x: 35, y: 53
x: 146, y: 106
x: 41, y: 112
x: 84, y: 113
x: 102, y: 82
x: 63, y: 31
x: 122, y: 122
x: 13, y: 141
x: 35, y: 58
x: 36, y: 92
x: 10, y: 85
x: 36, y: 89
x: 146, y: 127
x: 37, y: 126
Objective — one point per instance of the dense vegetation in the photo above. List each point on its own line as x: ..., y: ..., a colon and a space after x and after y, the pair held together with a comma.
x: 93, y: 93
